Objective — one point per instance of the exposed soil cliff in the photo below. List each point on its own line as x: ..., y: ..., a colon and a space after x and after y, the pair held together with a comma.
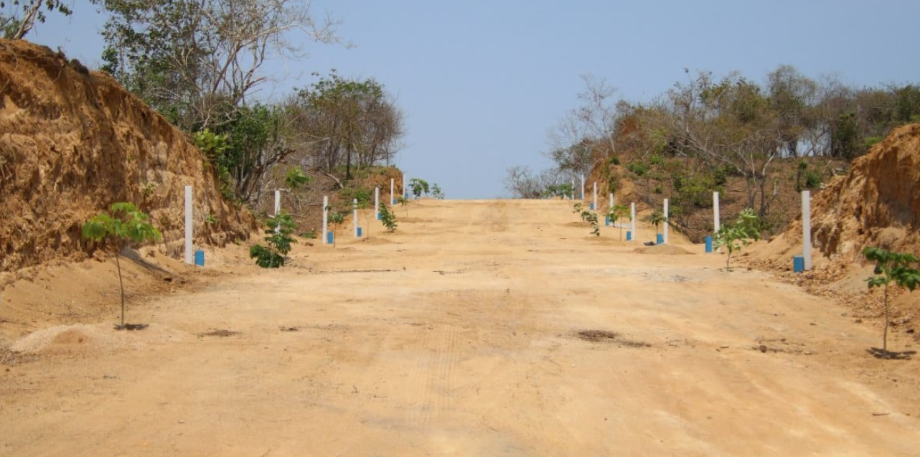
x: 72, y: 142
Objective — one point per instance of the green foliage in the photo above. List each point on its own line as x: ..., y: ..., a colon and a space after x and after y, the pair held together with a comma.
x: 587, y: 216
x: 733, y: 236
x: 656, y: 218
x: 436, y: 192
x: 309, y: 234
x: 23, y: 14
x: 614, y: 159
x: 404, y: 203
x: 637, y: 168
x: 122, y: 224
x: 388, y: 218
x: 362, y: 195
x: 560, y: 190
x: 616, y: 213
x: 295, y: 178
x: 418, y: 187
x: 278, y: 242
x: 891, y: 267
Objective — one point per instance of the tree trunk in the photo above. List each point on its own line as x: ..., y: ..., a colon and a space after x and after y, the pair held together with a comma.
x: 885, y: 334
x: 122, y: 285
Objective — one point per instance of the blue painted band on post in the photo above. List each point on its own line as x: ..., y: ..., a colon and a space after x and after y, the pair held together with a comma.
x: 628, y: 235
x: 708, y: 244
x: 329, y: 238
x: 659, y: 239
x: 359, y: 232
x: 592, y: 206
x: 607, y: 220
x: 378, y: 216
x: 199, y: 258
x: 798, y: 264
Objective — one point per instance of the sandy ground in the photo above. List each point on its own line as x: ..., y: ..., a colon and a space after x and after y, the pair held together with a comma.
x: 460, y: 335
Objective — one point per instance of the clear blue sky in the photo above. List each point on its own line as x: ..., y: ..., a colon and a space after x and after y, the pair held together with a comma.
x: 482, y: 82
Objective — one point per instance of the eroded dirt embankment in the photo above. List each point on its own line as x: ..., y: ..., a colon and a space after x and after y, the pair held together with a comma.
x: 72, y: 142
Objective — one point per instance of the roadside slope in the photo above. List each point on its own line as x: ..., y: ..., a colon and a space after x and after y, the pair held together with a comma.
x: 72, y: 142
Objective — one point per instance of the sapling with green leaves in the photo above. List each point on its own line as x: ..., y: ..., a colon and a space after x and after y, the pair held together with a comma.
x: 335, y: 218
x: 295, y: 178
x: 404, y: 202
x: 418, y: 187
x: 436, y: 192
x: 278, y: 242
x: 891, y: 267
x: 388, y: 218
x: 734, y: 235
x: 616, y: 213
x: 123, y: 224
x: 656, y: 218
x: 587, y: 216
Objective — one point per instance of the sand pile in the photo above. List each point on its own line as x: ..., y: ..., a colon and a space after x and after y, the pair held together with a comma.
x: 93, y: 339
x: 662, y: 249
x: 876, y: 204
x: 72, y: 142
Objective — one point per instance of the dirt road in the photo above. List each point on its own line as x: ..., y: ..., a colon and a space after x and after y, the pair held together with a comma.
x: 477, y: 329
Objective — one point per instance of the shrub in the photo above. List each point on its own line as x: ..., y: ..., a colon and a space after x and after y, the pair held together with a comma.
x: 278, y: 239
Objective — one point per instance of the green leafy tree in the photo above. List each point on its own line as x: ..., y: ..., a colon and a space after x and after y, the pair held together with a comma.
x: 418, y: 187
x: 616, y: 213
x: 336, y: 218
x: 123, y: 224
x: 278, y: 242
x: 387, y: 218
x: 733, y: 236
x: 404, y: 203
x: 436, y: 192
x: 295, y: 178
x: 656, y: 218
x: 891, y: 267
x: 587, y: 216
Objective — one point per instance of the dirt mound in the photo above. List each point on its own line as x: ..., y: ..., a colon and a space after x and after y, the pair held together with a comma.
x: 663, y: 249
x: 101, y: 338
x: 72, y: 142
x: 876, y: 204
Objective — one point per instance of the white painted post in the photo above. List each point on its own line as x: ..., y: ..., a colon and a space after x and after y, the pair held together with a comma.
x: 377, y: 203
x: 573, y: 189
x: 716, y: 222
x: 595, y: 197
x: 325, y: 218
x: 582, y: 187
x: 667, y: 221
x: 189, y: 255
x: 632, y: 220
x: 277, y: 208
x: 392, y: 189
x: 611, y: 200
x: 806, y: 228
x: 405, y: 187
x: 354, y: 206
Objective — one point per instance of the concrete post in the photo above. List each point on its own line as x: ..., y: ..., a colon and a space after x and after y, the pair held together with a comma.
x: 354, y: 206
x: 189, y: 255
x: 667, y: 221
x: 277, y: 208
x: 806, y: 228
x: 573, y: 189
x: 632, y: 219
x: 582, y: 187
x: 611, y: 200
x: 377, y: 203
x: 325, y: 218
x: 594, y: 201
x: 392, y: 189
x: 716, y: 222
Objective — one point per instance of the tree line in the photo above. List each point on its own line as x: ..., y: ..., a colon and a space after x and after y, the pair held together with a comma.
x: 690, y: 139
x: 202, y: 65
